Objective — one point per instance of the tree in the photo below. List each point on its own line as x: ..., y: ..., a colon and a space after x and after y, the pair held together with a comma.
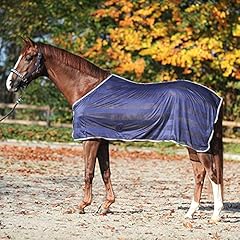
x: 164, y: 40
x: 144, y: 40
x: 43, y: 20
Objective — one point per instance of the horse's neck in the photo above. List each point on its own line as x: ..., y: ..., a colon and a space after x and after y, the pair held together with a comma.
x: 72, y: 82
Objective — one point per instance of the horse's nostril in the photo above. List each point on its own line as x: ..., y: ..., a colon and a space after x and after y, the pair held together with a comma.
x: 14, y: 85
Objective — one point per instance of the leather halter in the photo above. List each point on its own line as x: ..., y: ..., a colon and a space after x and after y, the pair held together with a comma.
x: 38, y: 66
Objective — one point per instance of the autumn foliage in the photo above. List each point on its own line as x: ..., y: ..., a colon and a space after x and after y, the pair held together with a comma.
x: 144, y: 40
x: 165, y: 40
x: 168, y: 35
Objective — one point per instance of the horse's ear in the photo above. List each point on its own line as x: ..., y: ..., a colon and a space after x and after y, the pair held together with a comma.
x: 23, y: 40
x: 28, y: 41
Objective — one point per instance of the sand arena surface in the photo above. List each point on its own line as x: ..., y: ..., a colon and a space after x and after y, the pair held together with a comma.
x: 39, y: 184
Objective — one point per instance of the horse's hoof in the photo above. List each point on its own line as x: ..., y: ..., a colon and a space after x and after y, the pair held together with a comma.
x: 70, y: 210
x: 81, y: 211
x: 104, y: 211
x: 214, y: 220
x: 188, y: 217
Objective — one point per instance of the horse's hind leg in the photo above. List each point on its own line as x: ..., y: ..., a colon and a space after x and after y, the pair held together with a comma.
x: 199, y: 175
x: 207, y: 160
x: 217, y: 150
x: 103, y: 158
x: 90, y: 149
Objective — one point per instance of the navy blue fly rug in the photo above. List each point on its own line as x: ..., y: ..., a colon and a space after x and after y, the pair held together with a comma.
x: 119, y: 109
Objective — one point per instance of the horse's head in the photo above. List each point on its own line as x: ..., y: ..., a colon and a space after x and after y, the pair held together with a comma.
x: 29, y: 66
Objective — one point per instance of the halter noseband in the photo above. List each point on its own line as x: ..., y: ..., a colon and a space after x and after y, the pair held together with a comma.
x: 36, y: 70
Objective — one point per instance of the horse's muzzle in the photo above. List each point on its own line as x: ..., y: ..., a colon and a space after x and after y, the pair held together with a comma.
x: 16, y: 85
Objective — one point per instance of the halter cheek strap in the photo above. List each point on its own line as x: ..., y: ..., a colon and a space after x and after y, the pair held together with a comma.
x: 36, y: 70
x: 38, y: 66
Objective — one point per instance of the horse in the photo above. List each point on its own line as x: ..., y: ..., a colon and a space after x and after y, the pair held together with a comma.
x: 76, y: 77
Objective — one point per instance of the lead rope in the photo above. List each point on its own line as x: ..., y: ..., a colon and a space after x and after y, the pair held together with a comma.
x: 12, y: 110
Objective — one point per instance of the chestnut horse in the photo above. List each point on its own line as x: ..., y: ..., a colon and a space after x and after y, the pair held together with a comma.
x: 75, y: 76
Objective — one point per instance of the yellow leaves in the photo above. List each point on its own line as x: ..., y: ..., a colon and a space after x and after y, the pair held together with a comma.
x: 162, y: 33
x: 116, y: 53
x: 151, y: 51
x: 123, y: 61
x: 180, y: 52
x: 130, y: 39
x: 214, y: 44
x: 79, y: 44
x: 219, y: 14
x: 110, y: 12
x: 176, y: 39
x: 158, y: 30
x: 96, y: 49
x: 118, y: 2
x: 144, y: 12
x: 230, y: 63
x: 100, y: 13
x: 150, y: 21
x: 236, y: 30
x: 192, y: 8
x: 127, y: 8
x: 166, y: 75
x: 112, y: 9
x: 127, y: 22
x: 139, y: 66
x: 110, y: 2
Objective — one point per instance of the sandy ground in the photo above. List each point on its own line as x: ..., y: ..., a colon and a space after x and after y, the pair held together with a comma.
x: 153, y: 192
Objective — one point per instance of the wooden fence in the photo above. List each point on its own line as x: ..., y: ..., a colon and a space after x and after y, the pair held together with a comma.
x: 45, y: 109
x: 48, y: 112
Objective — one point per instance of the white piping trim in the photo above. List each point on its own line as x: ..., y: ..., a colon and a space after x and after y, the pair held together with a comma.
x: 148, y: 140
x: 139, y: 83
x: 132, y: 140
x: 184, y: 80
x: 99, y: 85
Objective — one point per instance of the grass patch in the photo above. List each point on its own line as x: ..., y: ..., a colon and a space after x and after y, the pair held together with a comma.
x: 169, y: 148
x: 52, y: 134
x: 35, y: 133
x: 232, y: 148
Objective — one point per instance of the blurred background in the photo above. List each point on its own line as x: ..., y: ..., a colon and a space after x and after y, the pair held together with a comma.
x: 143, y: 40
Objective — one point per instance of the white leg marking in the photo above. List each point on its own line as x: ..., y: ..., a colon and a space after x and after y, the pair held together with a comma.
x: 9, y: 79
x: 218, y: 202
x: 193, y: 208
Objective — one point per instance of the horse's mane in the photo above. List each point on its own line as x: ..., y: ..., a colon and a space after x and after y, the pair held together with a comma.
x: 73, y: 61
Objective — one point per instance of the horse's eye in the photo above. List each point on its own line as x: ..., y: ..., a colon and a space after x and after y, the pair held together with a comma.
x: 29, y: 58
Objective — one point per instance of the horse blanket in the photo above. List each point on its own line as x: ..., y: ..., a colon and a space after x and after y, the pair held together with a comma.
x: 119, y: 109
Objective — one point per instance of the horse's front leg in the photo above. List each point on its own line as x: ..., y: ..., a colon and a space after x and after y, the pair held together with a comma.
x: 199, y: 175
x: 103, y: 158
x: 216, y: 180
x: 90, y: 149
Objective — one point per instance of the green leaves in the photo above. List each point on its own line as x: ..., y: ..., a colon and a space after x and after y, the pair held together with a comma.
x: 143, y: 40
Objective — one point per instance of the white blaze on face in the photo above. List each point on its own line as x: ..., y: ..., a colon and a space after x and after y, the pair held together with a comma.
x: 9, y: 79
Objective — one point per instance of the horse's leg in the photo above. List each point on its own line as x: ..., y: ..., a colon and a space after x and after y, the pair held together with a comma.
x: 90, y: 149
x: 207, y: 160
x: 103, y: 158
x: 217, y: 150
x: 199, y: 175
